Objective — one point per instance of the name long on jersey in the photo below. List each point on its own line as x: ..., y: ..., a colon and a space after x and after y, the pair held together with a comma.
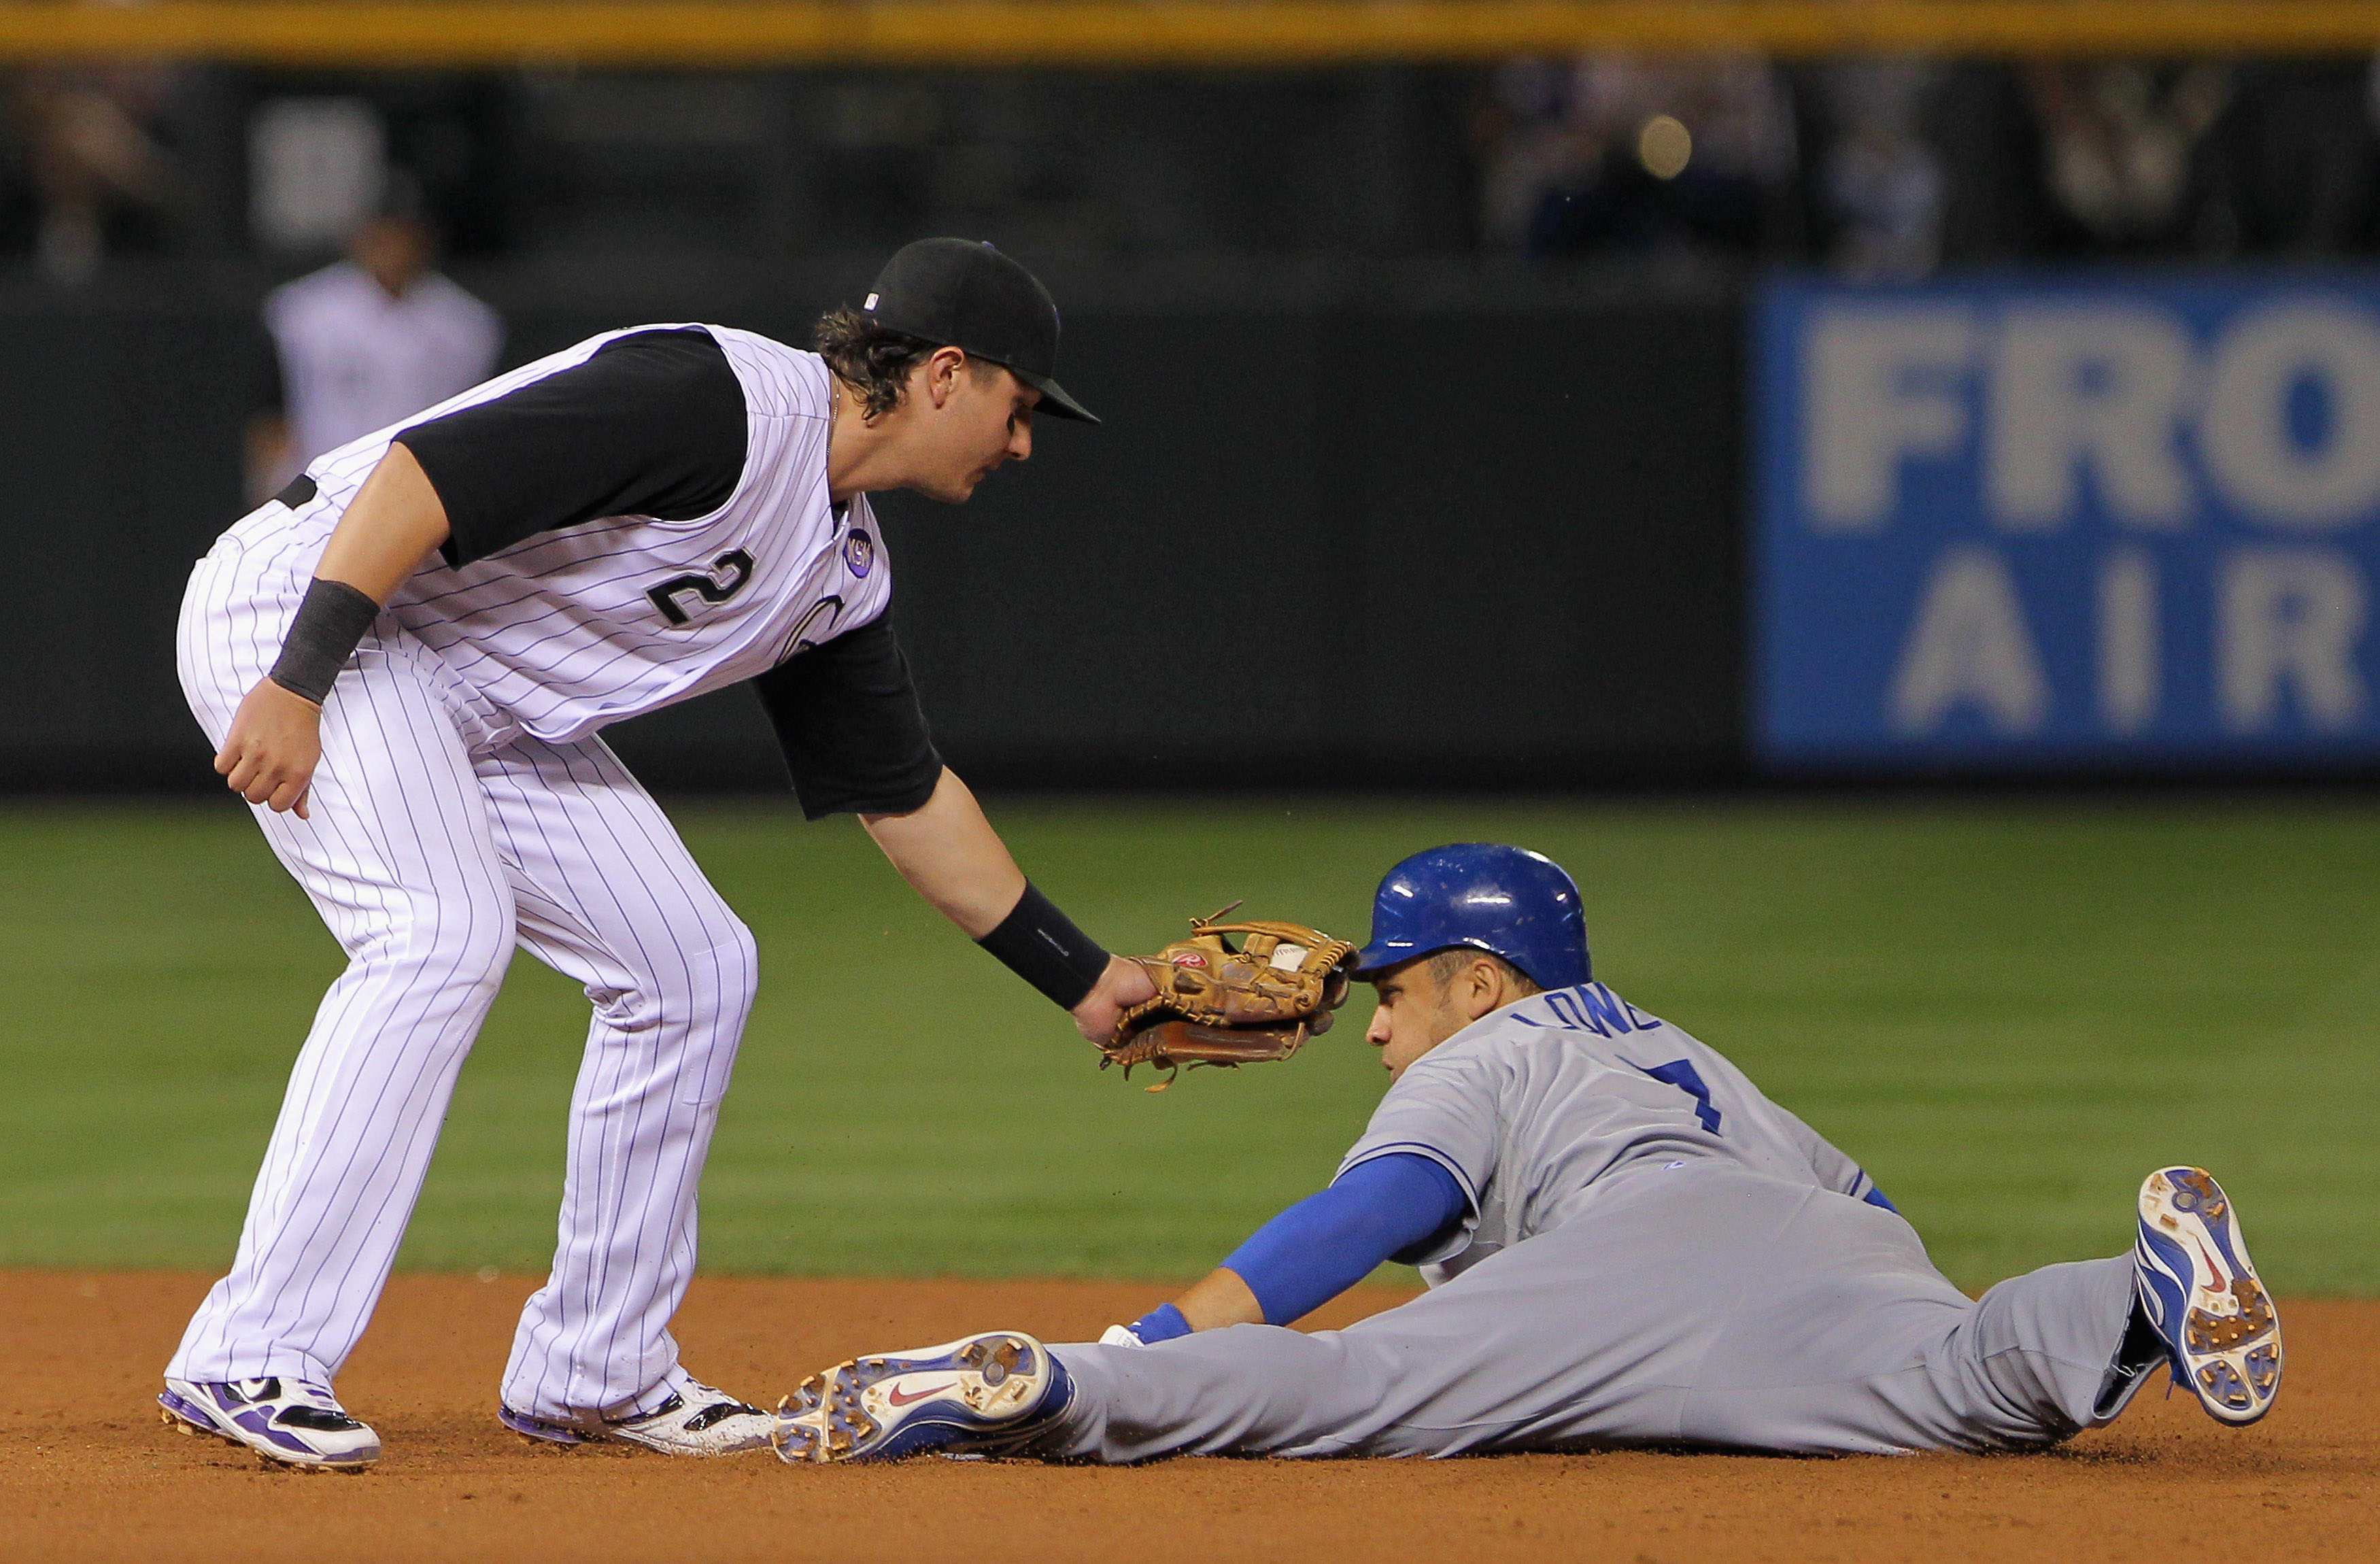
x: 568, y: 631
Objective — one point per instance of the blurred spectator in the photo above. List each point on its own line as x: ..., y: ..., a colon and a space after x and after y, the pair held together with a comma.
x: 2121, y: 143
x: 102, y: 176
x: 1880, y: 186
x: 1995, y: 203
x: 2291, y: 168
x: 1614, y: 152
x: 363, y: 343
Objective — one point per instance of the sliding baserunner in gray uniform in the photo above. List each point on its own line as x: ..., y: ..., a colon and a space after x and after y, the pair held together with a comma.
x: 1626, y: 1243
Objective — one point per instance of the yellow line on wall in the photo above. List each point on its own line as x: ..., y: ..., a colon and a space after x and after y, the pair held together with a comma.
x: 1157, y: 32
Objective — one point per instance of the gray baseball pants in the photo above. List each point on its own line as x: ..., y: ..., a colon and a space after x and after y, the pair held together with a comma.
x: 1707, y: 1306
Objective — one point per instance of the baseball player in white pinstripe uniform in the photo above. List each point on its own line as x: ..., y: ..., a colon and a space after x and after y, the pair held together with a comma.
x: 404, y: 662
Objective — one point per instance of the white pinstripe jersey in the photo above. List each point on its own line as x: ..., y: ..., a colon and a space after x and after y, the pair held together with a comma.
x: 568, y: 630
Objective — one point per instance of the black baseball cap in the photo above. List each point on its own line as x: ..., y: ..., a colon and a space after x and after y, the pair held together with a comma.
x: 965, y: 293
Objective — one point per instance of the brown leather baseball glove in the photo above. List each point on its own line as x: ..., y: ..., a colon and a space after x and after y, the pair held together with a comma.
x: 1219, y: 1003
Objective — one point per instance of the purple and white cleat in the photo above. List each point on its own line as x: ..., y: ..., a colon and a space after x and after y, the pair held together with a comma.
x: 286, y: 1422
x: 693, y: 1419
x: 986, y: 1394
x: 2198, y: 1289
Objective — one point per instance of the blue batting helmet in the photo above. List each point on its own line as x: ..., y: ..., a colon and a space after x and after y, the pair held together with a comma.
x: 1507, y: 900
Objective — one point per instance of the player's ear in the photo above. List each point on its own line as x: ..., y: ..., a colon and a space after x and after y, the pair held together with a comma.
x: 1481, y: 988
x: 943, y: 368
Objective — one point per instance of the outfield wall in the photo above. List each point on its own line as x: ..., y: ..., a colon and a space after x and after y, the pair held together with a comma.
x: 2050, y: 521
x: 1344, y: 525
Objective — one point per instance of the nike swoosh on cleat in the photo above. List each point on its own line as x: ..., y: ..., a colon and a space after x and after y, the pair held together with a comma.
x: 895, y: 1398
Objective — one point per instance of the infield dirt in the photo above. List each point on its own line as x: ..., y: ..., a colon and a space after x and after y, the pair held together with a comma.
x: 88, y: 1473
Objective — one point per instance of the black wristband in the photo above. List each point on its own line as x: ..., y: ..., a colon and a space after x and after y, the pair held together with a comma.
x: 1041, y: 945
x: 322, y: 636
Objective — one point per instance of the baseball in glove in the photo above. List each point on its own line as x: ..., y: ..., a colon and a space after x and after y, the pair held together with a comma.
x: 1219, y: 1003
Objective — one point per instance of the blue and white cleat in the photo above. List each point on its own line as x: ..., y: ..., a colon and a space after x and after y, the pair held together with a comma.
x: 981, y: 1394
x: 286, y: 1422
x: 2200, y: 1291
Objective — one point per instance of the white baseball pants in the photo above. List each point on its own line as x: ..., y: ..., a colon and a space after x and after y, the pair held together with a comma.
x: 440, y: 838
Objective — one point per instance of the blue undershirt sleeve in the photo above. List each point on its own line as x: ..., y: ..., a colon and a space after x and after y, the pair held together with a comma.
x: 1328, y: 1242
x: 1162, y: 1323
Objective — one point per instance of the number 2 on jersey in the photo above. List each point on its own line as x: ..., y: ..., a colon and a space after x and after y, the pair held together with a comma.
x: 734, y: 573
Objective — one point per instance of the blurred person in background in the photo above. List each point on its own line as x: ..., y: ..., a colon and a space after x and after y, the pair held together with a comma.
x: 2122, y: 150
x: 2290, y: 169
x: 97, y: 160
x: 1987, y: 138
x: 363, y: 344
x: 1880, y: 186
x: 1611, y: 153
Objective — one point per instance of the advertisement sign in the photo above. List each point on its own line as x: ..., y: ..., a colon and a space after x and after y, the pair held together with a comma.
x: 2106, y: 519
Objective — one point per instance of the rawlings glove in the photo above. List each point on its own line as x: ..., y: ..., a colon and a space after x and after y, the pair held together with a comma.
x: 1217, y: 1004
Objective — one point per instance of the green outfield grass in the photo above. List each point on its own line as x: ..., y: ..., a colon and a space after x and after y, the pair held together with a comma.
x: 2008, y: 1010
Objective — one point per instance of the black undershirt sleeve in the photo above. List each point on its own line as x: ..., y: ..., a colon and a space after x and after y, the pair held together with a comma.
x: 652, y: 425
x: 855, y: 738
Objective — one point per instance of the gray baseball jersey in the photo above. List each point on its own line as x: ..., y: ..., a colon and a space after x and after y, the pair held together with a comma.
x: 1654, y: 1253
x: 1530, y: 1106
